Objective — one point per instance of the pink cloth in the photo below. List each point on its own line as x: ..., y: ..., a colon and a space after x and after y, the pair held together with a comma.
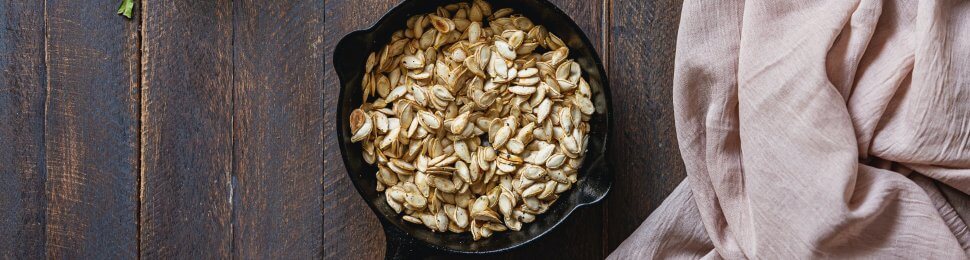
x: 818, y: 129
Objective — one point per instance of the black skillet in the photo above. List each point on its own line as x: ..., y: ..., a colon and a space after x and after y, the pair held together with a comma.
x: 406, y: 240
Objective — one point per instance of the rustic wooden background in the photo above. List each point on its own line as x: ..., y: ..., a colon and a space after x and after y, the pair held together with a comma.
x: 203, y: 129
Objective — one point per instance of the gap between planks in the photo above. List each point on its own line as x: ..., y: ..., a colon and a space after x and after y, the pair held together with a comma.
x: 606, y: 28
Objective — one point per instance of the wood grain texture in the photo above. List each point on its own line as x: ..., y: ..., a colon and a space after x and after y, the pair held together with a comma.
x: 23, y: 90
x: 277, y: 129
x: 643, y: 146
x: 350, y: 228
x: 91, y: 131
x: 186, y: 209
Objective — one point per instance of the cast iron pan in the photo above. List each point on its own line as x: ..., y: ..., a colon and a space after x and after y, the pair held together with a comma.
x: 406, y: 240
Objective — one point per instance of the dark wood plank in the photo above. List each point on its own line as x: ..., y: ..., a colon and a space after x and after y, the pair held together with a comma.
x: 23, y: 90
x: 645, y: 157
x: 186, y: 106
x: 277, y: 129
x: 351, y: 231
x: 91, y: 131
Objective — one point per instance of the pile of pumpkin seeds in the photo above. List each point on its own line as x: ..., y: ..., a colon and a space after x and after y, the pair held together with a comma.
x: 476, y: 119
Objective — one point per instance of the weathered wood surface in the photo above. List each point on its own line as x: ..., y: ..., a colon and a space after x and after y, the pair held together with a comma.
x: 23, y: 92
x: 278, y: 129
x: 91, y: 132
x: 186, y: 131
x: 350, y: 229
x: 69, y: 132
x: 203, y: 129
x: 645, y: 157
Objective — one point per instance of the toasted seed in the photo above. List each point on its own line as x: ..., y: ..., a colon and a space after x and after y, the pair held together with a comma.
x: 543, y: 154
x: 447, y: 161
x: 584, y: 104
x: 516, y: 39
x: 383, y: 86
x: 565, y: 119
x: 387, y: 177
x: 411, y: 219
x: 511, y: 158
x: 513, y: 223
x: 396, y: 93
x: 505, y: 202
x: 522, y: 90
x: 460, y: 123
x: 542, y: 111
x: 562, y: 72
x: 381, y: 122
x: 476, y: 233
x: 415, y: 200
x: 505, y: 50
x: 562, y: 187
x: 558, y: 176
x: 442, y: 221
x: 501, y: 136
x: 461, y: 217
x: 486, y: 215
x: 570, y: 145
x: 443, y: 25
x: 423, y: 184
x: 474, y: 170
x: 555, y: 161
x: 445, y: 185
x: 429, y: 119
x: 452, y: 227
x: 532, y: 172
x: 498, y: 69
x: 493, y: 195
x: 505, y: 167
x: 522, y: 23
x: 548, y: 190
x: 502, y: 13
x: 529, y: 72
x: 495, y: 226
x: 533, y: 190
x: 515, y: 146
x: 412, y: 62
x: 523, y: 216
x: 442, y: 93
x: 530, y: 81
x: 396, y: 193
x: 389, y: 139
x: 449, y: 210
x: 463, y: 171
x: 461, y: 149
x: 360, y: 125
x: 371, y: 61
x: 429, y: 221
x: 474, y: 31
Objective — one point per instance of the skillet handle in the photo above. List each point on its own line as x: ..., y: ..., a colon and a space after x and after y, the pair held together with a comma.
x: 402, y: 246
x: 597, y: 183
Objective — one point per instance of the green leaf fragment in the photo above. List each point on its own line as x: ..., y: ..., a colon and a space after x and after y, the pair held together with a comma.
x: 126, y: 8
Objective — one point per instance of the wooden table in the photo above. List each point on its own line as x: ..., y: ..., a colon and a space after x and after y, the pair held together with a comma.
x: 203, y: 129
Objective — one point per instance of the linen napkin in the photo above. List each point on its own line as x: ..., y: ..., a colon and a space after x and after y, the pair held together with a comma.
x: 818, y: 129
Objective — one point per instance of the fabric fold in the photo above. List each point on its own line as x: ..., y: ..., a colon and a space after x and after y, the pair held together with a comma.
x: 818, y: 129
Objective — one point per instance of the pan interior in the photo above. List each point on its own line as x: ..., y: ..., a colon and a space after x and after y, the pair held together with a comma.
x: 594, y: 180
